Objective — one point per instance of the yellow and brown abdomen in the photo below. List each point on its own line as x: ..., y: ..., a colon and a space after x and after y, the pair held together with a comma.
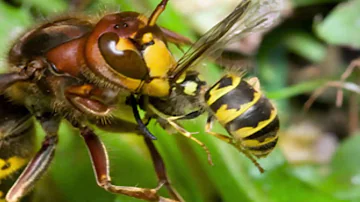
x: 249, y: 117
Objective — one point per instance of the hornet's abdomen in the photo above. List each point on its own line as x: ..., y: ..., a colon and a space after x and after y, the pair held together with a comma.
x: 248, y: 116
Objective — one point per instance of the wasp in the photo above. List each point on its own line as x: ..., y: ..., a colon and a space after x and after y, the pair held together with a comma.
x: 92, y: 71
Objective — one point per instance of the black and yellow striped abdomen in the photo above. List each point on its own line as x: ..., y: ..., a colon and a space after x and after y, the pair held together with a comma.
x: 249, y: 117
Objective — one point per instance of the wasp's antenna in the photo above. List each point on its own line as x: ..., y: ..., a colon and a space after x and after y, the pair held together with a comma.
x: 157, y: 12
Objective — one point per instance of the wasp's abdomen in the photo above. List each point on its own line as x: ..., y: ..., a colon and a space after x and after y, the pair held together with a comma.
x: 245, y: 113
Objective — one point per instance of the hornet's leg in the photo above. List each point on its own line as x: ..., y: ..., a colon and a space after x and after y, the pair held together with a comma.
x: 161, y: 170
x: 38, y: 164
x: 99, y: 158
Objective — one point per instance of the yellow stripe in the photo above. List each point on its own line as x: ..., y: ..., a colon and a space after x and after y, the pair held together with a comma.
x: 261, y: 154
x: 256, y: 143
x: 225, y: 115
x: 15, y: 164
x: 217, y: 92
x: 247, y: 131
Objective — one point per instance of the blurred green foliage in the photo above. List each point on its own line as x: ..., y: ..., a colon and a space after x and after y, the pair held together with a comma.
x: 233, y: 177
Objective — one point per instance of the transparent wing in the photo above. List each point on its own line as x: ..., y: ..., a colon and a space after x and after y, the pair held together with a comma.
x: 249, y: 16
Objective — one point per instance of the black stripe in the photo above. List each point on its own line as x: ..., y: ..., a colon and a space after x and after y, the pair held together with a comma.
x: 257, y: 113
x: 264, y: 147
x: 268, y: 131
x: 223, y: 82
x: 242, y: 94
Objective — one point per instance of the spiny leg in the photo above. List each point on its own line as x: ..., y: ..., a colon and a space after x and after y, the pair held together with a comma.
x: 229, y: 140
x: 99, y: 158
x: 161, y: 170
x: 155, y: 155
x: 40, y: 162
x: 181, y: 130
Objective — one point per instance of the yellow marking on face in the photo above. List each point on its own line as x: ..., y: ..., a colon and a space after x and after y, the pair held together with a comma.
x: 159, y: 59
x: 247, y: 131
x: 157, y: 87
x: 15, y: 163
x: 147, y: 38
x: 224, y: 115
x: 217, y: 92
x: 190, y: 88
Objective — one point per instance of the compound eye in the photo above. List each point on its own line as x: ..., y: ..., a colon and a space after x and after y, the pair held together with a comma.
x: 122, y: 56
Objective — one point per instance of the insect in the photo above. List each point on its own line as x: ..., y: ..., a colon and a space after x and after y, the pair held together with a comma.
x: 17, y: 142
x: 249, y: 117
x: 87, y: 70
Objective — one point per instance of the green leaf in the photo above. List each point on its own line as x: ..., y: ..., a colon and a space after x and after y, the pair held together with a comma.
x: 342, y: 25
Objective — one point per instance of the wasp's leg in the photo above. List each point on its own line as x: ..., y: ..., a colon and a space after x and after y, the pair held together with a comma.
x: 99, y: 158
x: 39, y: 163
x: 229, y: 140
x: 181, y: 130
x: 161, y: 170
x: 188, y: 116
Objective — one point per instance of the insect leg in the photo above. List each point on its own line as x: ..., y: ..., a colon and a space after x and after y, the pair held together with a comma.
x: 161, y: 170
x: 181, y: 130
x: 100, y: 161
x: 142, y: 126
x: 190, y: 115
x: 229, y: 140
x: 39, y: 163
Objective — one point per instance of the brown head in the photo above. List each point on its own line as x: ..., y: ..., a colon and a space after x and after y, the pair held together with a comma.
x: 129, y: 51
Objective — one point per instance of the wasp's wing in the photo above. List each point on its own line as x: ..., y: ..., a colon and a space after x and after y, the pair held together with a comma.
x: 249, y: 16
